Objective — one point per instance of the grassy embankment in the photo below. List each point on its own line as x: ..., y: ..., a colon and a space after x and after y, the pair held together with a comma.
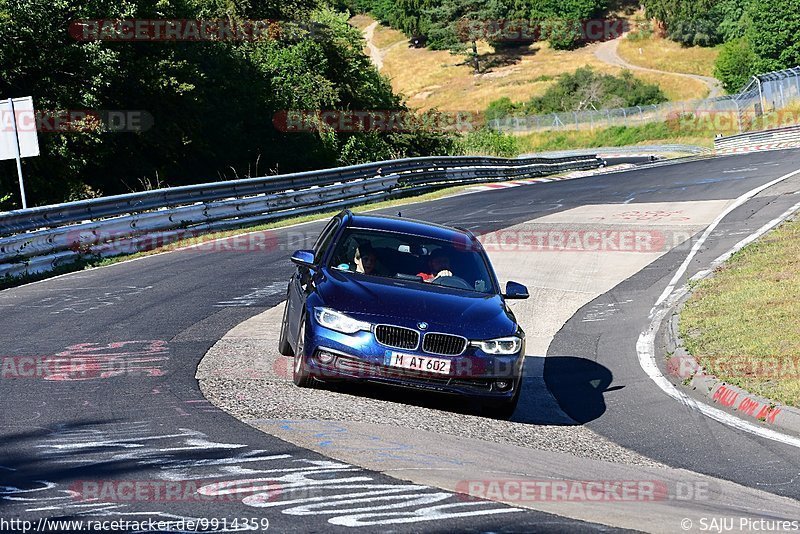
x: 646, y: 134
x: 743, y: 324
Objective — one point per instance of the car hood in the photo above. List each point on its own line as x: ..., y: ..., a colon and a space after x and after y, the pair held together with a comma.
x: 379, y: 300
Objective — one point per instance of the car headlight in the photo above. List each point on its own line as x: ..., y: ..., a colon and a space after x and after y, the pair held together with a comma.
x: 338, y: 321
x: 503, y: 345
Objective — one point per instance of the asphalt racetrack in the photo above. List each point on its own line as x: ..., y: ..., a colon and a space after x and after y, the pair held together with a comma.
x: 78, y: 446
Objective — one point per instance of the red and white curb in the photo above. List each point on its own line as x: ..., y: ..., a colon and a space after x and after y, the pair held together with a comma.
x: 512, y: 183
x: 760, y: 148
x: 685, y: 367
x: 532, y: 181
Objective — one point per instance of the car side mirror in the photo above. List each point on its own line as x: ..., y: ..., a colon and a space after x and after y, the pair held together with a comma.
x: 516, y: 291
x: 304, y: 258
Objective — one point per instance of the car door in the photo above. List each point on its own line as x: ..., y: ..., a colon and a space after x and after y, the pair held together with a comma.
x: 301, y: 283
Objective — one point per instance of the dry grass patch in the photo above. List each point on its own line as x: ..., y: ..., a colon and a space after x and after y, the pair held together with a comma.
x: 667, y: 55
x: 384, y: 37
x: 361, y: 21
x: 676, y: 88
x: 743, y: 324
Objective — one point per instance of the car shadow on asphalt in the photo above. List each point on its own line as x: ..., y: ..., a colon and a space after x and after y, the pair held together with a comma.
x: 557, y: 390
x: 578, y: 387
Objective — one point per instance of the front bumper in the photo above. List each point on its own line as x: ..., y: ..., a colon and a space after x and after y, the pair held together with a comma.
x: 360, y: 358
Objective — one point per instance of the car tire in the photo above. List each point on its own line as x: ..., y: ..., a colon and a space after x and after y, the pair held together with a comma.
x: 504, y: 410
x: 284, y: 347
x: 300, y: 375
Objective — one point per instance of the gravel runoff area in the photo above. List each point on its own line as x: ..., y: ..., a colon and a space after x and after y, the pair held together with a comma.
x: 244, y: 375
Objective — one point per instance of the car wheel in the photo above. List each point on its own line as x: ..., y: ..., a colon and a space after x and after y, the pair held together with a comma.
x: 284, y: 347
x: 504, y: 410
x: 300, y: 374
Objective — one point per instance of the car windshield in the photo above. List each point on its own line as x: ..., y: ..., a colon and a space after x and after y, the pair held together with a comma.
x: 414, y: 258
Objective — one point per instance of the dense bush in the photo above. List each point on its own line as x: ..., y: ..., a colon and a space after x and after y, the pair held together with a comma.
x: 500, y: 108
x: 582, y: 90
x: 491, y: 143
x: 586, y: 89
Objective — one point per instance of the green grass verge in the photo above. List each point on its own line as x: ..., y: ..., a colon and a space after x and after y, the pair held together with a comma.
x: 743, y: 324
x: 90, y: 262
x: 611, y: 137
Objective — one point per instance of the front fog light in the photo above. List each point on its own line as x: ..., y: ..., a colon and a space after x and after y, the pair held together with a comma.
x: 325, y: 357
x: 502, y: 385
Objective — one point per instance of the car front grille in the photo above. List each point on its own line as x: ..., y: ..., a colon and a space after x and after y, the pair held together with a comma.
x: 443, y: 344
x: 397, y: 336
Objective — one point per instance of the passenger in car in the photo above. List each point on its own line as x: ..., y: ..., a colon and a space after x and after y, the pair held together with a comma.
x: 438, y: 265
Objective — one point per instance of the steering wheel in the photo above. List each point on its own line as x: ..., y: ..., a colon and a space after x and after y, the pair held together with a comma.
x: 451, y: 281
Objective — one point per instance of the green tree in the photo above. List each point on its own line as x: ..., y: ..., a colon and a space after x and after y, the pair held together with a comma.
x: 773, y: 32
x: 736, y: 64
x: 458, y: 25
x: 699, y: 22
x: 562, y: 20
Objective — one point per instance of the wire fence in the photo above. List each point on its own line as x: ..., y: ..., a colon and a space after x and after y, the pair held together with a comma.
x: 760, y: 105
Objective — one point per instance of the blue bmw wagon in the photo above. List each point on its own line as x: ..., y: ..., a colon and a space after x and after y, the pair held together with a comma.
x: 406, y: 303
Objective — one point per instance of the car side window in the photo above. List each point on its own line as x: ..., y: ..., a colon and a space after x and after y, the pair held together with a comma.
x: 324, y: 239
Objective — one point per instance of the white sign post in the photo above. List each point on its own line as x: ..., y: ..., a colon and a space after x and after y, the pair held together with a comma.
x: 18, y: 136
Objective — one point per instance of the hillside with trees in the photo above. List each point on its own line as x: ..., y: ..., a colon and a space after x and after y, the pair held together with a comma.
x: 758, y: 35
x: 455, y: 25
x: 211, y: 103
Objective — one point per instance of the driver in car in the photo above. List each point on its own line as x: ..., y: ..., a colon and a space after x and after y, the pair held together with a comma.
x: 366, y: 260
x: 438, y: 265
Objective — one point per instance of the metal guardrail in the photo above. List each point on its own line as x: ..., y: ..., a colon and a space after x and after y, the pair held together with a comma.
x: 40, y: 239
x: 788, y: 137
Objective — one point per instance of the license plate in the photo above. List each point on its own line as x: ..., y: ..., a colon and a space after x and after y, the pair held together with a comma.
x: 418, y: 363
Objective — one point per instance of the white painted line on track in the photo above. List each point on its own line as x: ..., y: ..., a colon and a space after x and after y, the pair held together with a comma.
x: 700, y: 242
x: 645, y: 346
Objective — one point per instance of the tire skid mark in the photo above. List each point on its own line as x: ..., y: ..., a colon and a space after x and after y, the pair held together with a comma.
x: 293, y: 484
